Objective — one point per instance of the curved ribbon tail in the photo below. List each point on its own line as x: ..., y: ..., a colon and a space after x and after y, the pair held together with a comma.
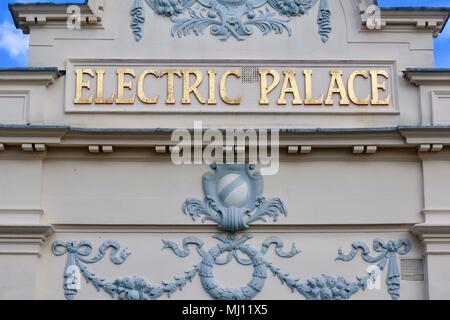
x: 137, y: 19
x: 324, y: 20
x: 184, y: 252
x: 393, y: 277
x: 116, y: 256
x: 279, y: 245
x: 70, y: 291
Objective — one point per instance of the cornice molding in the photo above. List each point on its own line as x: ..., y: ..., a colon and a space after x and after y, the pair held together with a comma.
x: 17, y: 135
x: 66, y: 136
x: 23, y: 239
x: 426, y: 230
x: 426, y: 135
x: 27, y: 15
x: 37, y: 76
x: 435, y: 237
x: 39, y: 230
x: 399, y: 19
x: 428, y: 76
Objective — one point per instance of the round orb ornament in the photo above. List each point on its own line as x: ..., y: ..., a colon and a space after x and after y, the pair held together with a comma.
x: 233, y: 190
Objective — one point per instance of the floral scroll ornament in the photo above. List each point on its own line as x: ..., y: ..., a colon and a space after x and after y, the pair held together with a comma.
x: 77, y: 259
x: 233, y: 200
x: 387, y: 254
x: 230, y: 18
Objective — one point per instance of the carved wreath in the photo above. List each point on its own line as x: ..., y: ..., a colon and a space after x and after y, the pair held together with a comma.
x: 229, y: 18
x: 233, y: 200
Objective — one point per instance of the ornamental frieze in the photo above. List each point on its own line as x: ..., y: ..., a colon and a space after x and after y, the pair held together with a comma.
x: 230, y: 18
x: 233, y: 200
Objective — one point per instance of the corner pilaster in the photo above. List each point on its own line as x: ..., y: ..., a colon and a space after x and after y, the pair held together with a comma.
x: 19, y: 253
x: 434, y: 232
x: 436, y: 241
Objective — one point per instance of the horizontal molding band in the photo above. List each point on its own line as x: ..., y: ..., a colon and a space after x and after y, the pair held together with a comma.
x: 169, y: 130
x: 26, y: 230
x: 21, y: 211
x: 55, y: 135
x: 436, y: 211
x: 279, y: 228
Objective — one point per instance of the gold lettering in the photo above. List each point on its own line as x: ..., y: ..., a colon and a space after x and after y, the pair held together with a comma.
x: 265, y: 87
x: 141, y: 92
x: 270, y: 79
x: 290, y: 86
x: 337, y: 86
x: 188, y: 88
x: 79, y: 99
x: 122, y: 85
x: 100, y: 86
x: 351, y: 88
x: 223, y: 87
x: 212, y: 87
x: 170, y: 84
x: 309, y: 100
x: 376, y: 86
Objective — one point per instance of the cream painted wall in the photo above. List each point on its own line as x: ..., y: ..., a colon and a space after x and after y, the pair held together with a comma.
x: 134, y: 196
x: 142, y: 192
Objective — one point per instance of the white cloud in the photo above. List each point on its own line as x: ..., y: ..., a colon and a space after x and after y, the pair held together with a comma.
x: 13, y: 41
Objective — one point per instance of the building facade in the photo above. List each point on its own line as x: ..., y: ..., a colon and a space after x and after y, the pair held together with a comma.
x: 357, y: 207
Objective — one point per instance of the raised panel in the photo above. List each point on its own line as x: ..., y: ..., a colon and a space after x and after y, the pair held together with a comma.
x: 13, y: 107
x: 441, y: 107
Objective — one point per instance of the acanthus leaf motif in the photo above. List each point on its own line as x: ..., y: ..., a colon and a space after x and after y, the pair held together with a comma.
x: 218, y: 203
x: 230, y: 19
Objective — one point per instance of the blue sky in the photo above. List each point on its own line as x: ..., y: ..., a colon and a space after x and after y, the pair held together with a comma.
x: 14, y: 45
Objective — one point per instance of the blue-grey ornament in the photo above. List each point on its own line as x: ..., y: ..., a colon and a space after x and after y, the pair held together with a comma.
x: 137, y: 19
x: 233, y: 198
x: 231, y: 246
x: 77, y: 259
x: 387, y: 253
x: 231, y: 18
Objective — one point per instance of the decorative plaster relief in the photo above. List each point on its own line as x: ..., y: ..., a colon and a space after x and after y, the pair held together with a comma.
x: 233, y: 200
x: 229, y: 18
